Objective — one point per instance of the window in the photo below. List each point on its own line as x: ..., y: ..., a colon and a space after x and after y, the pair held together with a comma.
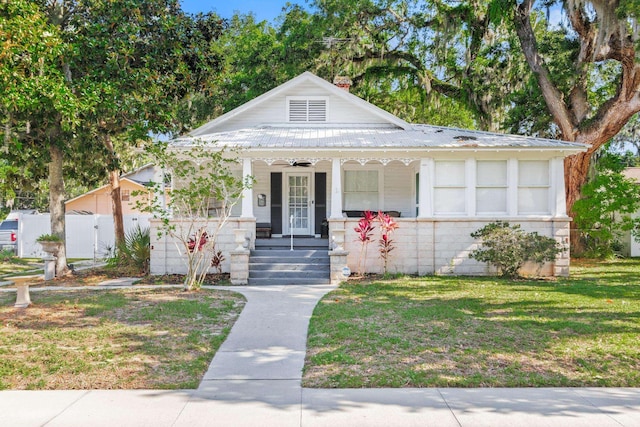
x: 449, y: 187
x: 307, y: 110
x: 491, y: 187
x: 361, y: 190
x: 533, y: 187
x: 125, y: 195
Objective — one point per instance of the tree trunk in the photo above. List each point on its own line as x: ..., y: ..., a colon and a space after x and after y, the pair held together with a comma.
x: 116, y: 203
x: 576, y: 170
x: 116, y: 197
x: 56, y: 206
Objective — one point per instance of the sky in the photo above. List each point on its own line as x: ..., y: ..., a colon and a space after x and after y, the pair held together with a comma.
x: 262, y: 9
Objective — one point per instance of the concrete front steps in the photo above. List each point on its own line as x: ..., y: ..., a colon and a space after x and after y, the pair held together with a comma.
x: 273, y: 262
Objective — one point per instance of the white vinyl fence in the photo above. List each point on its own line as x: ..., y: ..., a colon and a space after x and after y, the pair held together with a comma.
x: 87, y: 236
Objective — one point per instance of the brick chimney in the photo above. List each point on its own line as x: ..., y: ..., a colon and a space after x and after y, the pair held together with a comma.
x: 343, y: 82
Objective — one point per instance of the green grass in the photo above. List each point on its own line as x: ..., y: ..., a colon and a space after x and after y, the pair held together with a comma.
x: 14, y: 266
x: 480, y: 332
x: 122, y: 339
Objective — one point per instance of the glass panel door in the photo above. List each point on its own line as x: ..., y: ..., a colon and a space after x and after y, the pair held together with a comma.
x: 298, y: 204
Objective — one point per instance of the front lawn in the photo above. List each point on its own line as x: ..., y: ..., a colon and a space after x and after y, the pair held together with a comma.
x: 116, y: 339
x: 480, y: 332
x: 12, y: 266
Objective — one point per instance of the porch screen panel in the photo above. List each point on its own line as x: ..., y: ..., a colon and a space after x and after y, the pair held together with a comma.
x: 449, y: 190
x: 533, y: 187
x: 361, y: 190
x: 491, y: 187
x: 276, y: 202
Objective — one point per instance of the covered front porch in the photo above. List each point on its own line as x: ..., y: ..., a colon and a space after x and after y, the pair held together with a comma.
x: 302, y: 196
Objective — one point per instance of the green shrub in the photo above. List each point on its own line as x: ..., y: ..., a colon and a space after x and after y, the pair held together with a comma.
x: 48, y: 238
x: 605, y: 211
x: 507, y: 247
x: 135, y: 253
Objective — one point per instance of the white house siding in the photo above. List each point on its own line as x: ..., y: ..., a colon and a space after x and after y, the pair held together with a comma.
x: 442, y: 246
x: 262, y: 175
x: 274, y: 110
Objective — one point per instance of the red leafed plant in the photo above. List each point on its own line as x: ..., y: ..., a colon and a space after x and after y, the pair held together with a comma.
x: 387, y: 226
x: 200, y: 239
x: 198, y: 242
x: 365, y: 230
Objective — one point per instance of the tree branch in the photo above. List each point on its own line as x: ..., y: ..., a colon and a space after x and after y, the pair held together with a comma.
x: 552, y: 96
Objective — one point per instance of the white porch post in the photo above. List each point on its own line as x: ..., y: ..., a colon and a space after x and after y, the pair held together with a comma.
x: 247, y: 193
x: 336, y: 189
x: 425, y: 207
x: 557, y: 180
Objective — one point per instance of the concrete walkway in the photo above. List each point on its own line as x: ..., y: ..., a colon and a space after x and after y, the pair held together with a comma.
x: 255, y: 380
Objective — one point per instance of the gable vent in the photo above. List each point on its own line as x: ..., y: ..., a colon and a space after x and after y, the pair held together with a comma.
x: 307, y: 110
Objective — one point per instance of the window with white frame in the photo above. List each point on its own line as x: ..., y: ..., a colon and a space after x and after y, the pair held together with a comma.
x: 449, y: 188
x: 361, y: 190
x: 491, y: 187
x: 307, y: 109
x: 533, y: 187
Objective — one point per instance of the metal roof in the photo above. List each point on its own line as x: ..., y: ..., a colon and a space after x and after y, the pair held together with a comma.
x: 284, y: 137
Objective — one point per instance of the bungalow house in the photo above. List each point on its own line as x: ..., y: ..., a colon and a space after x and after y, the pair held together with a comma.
x: 320, y: 156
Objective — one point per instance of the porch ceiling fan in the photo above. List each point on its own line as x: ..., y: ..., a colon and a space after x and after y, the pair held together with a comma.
x: 301, y: 164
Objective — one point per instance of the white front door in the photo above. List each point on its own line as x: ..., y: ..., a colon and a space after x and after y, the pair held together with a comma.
x: 298, y: 189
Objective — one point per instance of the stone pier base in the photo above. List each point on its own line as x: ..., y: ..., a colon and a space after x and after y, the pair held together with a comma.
x: 338, y: 260
x: 240, y: 267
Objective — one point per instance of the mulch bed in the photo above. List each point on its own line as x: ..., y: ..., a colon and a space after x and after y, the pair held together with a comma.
x: 95, y: 276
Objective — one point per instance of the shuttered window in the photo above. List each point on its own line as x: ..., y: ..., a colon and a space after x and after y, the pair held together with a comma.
x: 307, y: 110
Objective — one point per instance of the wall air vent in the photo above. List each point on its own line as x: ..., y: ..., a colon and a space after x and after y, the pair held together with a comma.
x: 311, y: 110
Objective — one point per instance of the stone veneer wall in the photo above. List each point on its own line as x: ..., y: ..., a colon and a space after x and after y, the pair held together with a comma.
x: 442, y: 246
x: 166, y: 258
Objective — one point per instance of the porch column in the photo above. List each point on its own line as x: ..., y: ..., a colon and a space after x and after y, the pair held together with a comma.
x: 425, y: 207
x: 336, y: 189
x: 247, y: 193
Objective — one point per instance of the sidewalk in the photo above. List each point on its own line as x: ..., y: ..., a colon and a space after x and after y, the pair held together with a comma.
x: 255, y: 380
